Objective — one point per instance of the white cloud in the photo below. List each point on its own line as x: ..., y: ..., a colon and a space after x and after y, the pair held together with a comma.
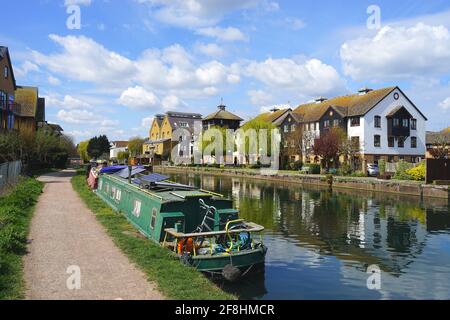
x: 259, y: 97
x: 172, y: 102
x: 306, y: 78
x: 84, y: 59
x: 295, y: 23
x: 398, y: 53
x: 68, y: 102
x: 147, y: 122
x: 53, y: 81
x: 171, y: 70
x: 26, y: 68
x: 201, y: 13
x: 139, y: 98
x: 210, y: 49
x: 445, y: 104
x: 77, y: 116
x: 223, y: 34
x: 77, y: 2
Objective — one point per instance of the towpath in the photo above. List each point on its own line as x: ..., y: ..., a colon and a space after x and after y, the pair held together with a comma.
x: 71, y: 256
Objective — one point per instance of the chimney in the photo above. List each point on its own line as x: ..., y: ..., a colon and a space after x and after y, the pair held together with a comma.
x: 222, y: 107
x: 364, y: 90
x: 320, y: 99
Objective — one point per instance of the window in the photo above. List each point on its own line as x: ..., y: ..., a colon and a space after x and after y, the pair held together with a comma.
x: 355, y: 141
x: 286, y: 128
x: 336, y: 123
x: 401, y: 142
x: 292, y: 143
x: 118, y: 194
x: 355, y: 122
x: 391, y: 142
x: 113, y: 193
x: 390, y: 159
x: 5, y: 72
x: 377, y: 140
x: 153, y: 220
x: 414, y: 142
x: 414, y: 124
x: 405, y: 123
x: 326, y: 124
x: 100, y: 185
x: 293, y: 128
x: 377, y: 122
x: 285, y: 144
x: 307, y: 127
x: 396, y: 122
x: 137, y: 208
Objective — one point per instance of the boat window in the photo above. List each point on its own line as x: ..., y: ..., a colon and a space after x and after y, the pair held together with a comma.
x: 107, y: 188
x: 153, y: 220
x: 137, y: 208
x: 118, y: 194
x: 100, y: 185
x: 113, y: 192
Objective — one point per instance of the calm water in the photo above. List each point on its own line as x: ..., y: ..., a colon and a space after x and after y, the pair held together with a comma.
x: 320, y: 243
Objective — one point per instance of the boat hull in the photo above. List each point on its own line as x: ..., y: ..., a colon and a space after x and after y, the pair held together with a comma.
x: 241, y: 260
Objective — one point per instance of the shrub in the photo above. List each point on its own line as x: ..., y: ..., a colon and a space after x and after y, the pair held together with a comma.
x: 382, y: 166
x: 418, y: 173
x: 358, y: 174
x: 315, y: 168
x: 402, y: 167
x: 296, y: 165
x: 13, y: 239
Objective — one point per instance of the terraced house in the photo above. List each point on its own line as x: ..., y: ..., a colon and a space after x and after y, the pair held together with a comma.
x: 385, y: 124
x: 174, y: 129
x: 8, y: 108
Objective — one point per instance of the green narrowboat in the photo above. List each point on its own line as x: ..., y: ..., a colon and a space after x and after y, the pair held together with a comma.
x: 200, y: 226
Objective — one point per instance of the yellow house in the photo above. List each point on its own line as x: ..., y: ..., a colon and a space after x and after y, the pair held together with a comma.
x: 159, y: 144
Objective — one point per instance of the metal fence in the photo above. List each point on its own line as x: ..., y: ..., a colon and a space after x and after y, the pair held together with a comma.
x: 9, y: 174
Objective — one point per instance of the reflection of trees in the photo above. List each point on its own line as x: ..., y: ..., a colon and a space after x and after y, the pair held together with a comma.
x: 387, y: 230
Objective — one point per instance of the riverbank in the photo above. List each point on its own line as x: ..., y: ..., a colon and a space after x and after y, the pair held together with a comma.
x: 411, y: 188
x: 16, y: 211
x: 173, y: 279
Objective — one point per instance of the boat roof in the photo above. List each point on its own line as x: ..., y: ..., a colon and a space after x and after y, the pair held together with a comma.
x: 159, y: 186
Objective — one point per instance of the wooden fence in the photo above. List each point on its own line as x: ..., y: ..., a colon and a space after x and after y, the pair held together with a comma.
x: 438, y: 169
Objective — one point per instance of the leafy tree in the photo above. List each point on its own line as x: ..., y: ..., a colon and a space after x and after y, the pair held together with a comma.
x: 441, y: 147
x: 10, y: 147
x: 82, y: 150
x: 122, y: 156
x: 251, y: 143
x: 98, y: 146
x: 135, y: 146
x: 328, y: 146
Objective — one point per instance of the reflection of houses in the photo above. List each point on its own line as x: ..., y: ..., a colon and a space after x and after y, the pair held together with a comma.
x: 385, y: 123
x: 438, y: 140
x: 8, y: 109
x: 174, y: 129
x: 116, y: 148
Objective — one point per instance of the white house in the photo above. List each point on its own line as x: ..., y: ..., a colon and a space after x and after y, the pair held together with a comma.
x: 116, y: 147
x: 385, y: 123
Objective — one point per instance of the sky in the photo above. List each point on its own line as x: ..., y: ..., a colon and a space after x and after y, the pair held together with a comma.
x: 132, y: 59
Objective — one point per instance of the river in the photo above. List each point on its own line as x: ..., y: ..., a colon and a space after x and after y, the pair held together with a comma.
x: 321, y: 244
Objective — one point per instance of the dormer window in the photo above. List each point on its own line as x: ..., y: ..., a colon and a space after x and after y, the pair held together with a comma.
x: 413, y: 124
x: 405, y: 123
x: 396, y: 122
x: 184, y: 124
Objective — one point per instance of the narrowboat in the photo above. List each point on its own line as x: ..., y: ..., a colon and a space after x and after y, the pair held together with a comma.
x: 201, y: 227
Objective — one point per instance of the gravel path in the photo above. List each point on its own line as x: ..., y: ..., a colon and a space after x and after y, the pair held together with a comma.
x: 65, y: 236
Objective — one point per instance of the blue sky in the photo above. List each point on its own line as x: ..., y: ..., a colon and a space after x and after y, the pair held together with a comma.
x: 133, y: 59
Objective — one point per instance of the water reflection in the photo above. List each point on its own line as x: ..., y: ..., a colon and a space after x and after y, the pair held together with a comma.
x: 320, y: 243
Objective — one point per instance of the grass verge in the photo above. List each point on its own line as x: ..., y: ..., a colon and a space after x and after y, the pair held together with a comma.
x: 16, y: 210
x: 174, y: 280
